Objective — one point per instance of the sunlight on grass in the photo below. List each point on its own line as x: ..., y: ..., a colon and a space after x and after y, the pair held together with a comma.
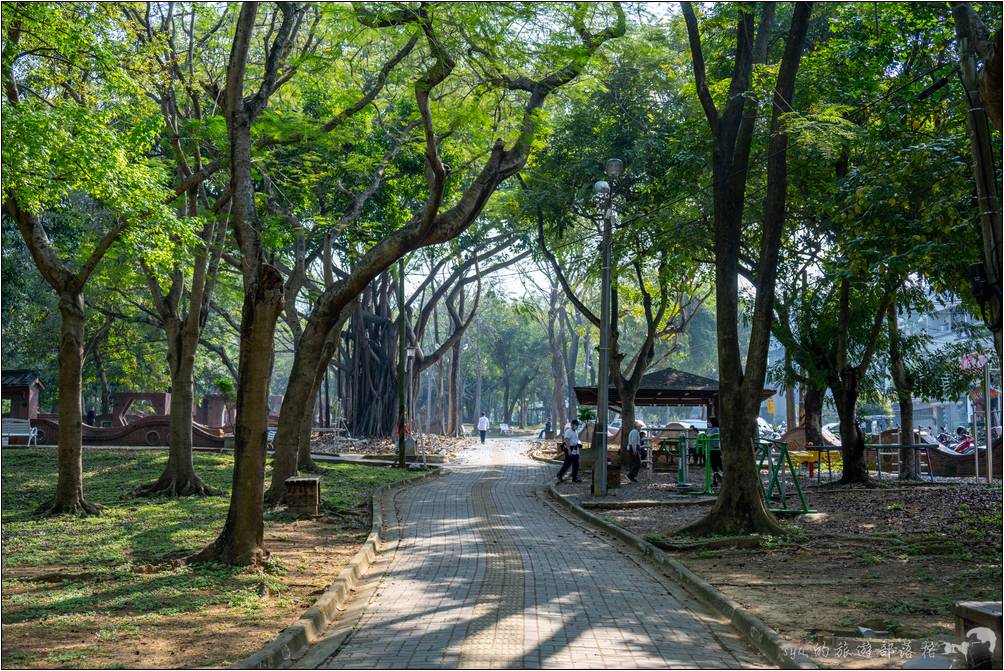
x: 113, y: 574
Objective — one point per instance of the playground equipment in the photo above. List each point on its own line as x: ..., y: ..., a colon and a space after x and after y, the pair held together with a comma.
x: 682, y: 474
x: 771, y: 455
x: 774, y: 454
x: 703, y: 447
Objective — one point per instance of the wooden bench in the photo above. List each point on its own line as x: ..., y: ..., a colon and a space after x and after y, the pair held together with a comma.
x: 19, y: 428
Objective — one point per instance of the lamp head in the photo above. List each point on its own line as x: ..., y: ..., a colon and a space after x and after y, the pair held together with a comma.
x: 614, y: 167
x: 602, y: 187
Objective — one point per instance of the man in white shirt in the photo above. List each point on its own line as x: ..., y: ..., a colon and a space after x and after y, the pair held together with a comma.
x: 483, y: 427
x: 634, y: 453
x: 571, y: 446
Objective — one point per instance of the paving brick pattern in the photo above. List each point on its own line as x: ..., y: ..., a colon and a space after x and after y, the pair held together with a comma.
x: 487, y: 575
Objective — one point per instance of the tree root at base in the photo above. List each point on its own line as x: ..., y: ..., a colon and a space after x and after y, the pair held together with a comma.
x: 253, y: 558
x: 80, y: 507
x: 172, y: 488
x: 720, y: 524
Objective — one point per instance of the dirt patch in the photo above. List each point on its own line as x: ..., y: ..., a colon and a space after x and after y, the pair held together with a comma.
x: 442, y: 448
x: 310, y: 552
x: 889, y: 559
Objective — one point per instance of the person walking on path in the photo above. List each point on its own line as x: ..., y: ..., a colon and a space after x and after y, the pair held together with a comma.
x: 634, y: 454
x: 483, y: 427
x: 570, y: 445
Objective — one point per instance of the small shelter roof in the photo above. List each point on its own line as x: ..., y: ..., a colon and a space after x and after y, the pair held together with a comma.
x: 19, y: 377
x: 666, y: 387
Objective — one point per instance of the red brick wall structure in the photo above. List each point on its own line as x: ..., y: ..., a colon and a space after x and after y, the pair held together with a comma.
x: 149, y: 431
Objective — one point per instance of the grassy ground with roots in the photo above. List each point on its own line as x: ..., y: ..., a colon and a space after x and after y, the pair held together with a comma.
x: 84, y: 591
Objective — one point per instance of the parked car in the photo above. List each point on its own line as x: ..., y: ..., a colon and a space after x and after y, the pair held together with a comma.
x: 696, y: 424
x: 615, y: 425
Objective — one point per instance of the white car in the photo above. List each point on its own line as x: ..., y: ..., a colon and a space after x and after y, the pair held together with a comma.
x: 615, y: 425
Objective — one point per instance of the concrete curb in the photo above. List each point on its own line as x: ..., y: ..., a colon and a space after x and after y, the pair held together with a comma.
x: 757, y: 632
x: 294, y: 641
x: 632, y: 504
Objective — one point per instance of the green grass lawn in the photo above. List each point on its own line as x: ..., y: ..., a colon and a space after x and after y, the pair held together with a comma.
x: 112, y: 577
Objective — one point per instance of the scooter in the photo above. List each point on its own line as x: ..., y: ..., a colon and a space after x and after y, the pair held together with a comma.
x: 965, y: 444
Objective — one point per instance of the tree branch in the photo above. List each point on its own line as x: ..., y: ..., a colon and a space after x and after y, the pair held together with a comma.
x: 700, y: 71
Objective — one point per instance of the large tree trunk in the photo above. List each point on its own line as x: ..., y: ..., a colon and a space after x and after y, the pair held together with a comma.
x: 904, y: 394
x: 69, y: 496
x: 304, y: 460
x: 628, y: 413
x: 740, y: 505
x: 179, y: 477
x: 852, y: 440
x: 456, y: 400
x: 789, y: 396
x: 813, y: 408
x: 241, y: 541
x: 907, y: 457
x: 291, y: 444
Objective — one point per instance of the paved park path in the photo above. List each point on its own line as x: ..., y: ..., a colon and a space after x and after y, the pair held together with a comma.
x: 486, y: 574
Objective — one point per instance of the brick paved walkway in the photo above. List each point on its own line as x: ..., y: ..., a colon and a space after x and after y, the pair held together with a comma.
x: 487, y: 575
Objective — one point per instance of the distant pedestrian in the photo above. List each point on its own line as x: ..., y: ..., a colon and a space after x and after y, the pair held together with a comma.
x: 717, y: 466
x: 546, y: 430
x: 570, y: 445
x: 483, y: 427
x: 634, y: 454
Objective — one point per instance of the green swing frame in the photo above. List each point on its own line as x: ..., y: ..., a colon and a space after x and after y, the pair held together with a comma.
x: 775, y: 467
x: 763, y: 449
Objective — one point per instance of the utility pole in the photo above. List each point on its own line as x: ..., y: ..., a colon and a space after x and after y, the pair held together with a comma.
x: 401, y: 362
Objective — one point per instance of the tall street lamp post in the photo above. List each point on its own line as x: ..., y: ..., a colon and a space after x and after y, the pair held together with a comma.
x: 614, y: 168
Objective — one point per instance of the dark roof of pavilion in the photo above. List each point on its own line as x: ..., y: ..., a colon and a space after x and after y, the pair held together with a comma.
x: 19, y: 377
x: 668, y: 386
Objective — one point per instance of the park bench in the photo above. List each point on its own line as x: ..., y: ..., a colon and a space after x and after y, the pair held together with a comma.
x: 505, y: 430
x: 19, y: 428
